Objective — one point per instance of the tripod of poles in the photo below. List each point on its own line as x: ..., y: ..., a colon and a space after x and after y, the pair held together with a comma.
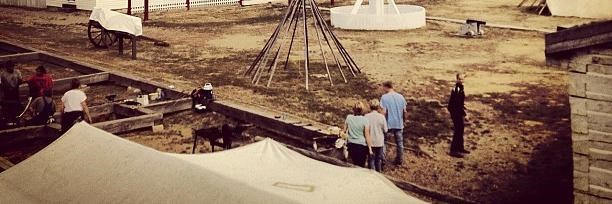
x: 283, y: 42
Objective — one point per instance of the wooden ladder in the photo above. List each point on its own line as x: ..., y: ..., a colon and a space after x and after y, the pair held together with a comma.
x: 541, y: 5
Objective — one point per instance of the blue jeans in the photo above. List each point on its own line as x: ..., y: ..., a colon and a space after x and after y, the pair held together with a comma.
x: 375, y: 160
x: 398, y: 134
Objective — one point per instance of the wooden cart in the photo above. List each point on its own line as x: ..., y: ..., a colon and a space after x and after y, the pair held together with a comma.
x: 100, y: 37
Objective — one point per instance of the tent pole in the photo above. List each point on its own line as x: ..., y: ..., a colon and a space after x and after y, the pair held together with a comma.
x: 316, y: 23
x: 337, y: 44
x: 306, y: 61
x: 321, y: 20
x: 296, y: 18
x: 283, y: 39
x: 272, y: 45
x: 263, y: 52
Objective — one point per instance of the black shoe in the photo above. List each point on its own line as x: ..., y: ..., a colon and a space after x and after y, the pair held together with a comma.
x: 464, y: 151
x: 456, y: 155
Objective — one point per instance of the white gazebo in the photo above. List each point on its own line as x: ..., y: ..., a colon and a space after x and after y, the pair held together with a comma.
x: 378, y: 16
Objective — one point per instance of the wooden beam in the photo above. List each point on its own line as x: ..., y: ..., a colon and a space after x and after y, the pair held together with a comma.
x: 172, y: 106
x: 62, y: 85
x: 602, y: 59
x: 569, y: 45
x: 5, y: 163
x: 77, y: 66
x: 129, y: 124
x: 86, y: 68
x: 20, y: 57
x: 18, y: 135
x: 406, y: 186
x: 133, y: 81
x: 95, y: 111
x: 579, y: 32
x: 129, y: 111
x: 65, y: 83
x: 11, y: 47
x: 293, y: 127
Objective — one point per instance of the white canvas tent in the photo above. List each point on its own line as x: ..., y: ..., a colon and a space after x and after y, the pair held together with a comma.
x: 581, y: 8
x: 88, y: 165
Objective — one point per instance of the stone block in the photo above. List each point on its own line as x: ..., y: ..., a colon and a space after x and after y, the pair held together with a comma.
x: 581, y: 198
x: 580, y: 143
x: 579, y: 63
x: 600, y: 177
x: 601, y: 59
x: 581, y: 146
x: 600, y: 136
x: 597, y: 121
x: 581, y: 163
x: 577, y: 84
x: 599, y: 69
x: 601, y: 164
x: 581, y: 181
x: 596, y: 105
x: 598, y: 200
x: 601, y: 145
x: 598, y: 86
x: 580, y: 124
x: 578, y: 106
x: 600, y: 154
x: 158, y: 128
x: 601, y: 192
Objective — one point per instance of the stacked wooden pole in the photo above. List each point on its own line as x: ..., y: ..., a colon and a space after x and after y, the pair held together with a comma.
x: 282, y: 41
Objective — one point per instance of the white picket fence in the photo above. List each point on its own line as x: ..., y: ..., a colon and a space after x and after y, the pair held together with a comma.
x: 25, y: 3
x: 156, y: 5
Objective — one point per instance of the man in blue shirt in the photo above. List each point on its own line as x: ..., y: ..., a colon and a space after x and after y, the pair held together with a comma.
x: 394, y: 109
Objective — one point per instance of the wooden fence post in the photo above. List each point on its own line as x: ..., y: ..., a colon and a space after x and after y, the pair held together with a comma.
x: 129, y: 8
x: 146, y: 10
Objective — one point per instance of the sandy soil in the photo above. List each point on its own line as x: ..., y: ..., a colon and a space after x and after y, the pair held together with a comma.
x: 519, y: 113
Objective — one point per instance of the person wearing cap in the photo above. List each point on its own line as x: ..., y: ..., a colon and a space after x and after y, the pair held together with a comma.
x: 201, y: 97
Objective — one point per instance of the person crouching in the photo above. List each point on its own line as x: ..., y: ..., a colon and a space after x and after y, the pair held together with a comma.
x: 42, y: 110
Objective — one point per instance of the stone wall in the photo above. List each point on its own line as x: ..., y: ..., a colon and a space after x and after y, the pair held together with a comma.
x: 590, y: 90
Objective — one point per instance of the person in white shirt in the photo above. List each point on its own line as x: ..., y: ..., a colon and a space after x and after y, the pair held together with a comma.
x: 378, y: 128
x: 73, y: 106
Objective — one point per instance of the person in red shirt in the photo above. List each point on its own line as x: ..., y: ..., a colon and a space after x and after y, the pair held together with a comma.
x: 40, y: 82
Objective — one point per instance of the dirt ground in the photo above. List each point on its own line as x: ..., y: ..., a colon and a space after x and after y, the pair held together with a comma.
x: 518, y: 132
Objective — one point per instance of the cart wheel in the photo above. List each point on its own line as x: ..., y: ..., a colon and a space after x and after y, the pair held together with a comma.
x: 100, y: 37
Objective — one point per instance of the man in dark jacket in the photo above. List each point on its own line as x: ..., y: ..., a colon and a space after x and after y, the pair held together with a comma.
x: 456, y: 108
x: 10, y: 79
